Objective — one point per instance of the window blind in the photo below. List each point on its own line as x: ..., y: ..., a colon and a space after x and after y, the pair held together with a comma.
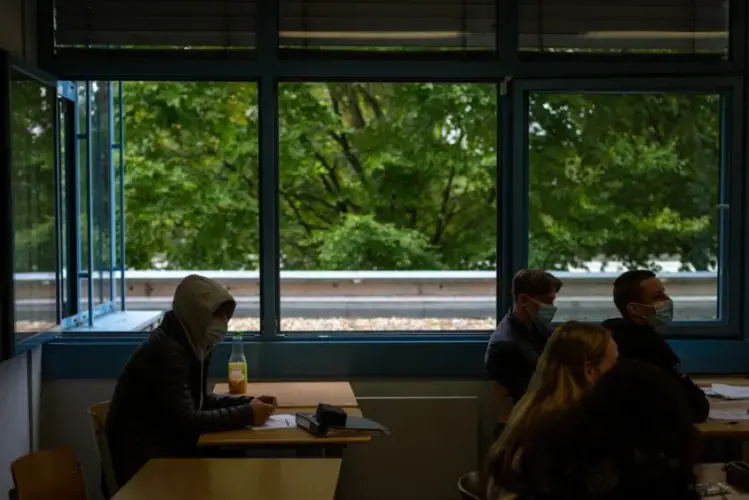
x: 155, y: 23
x: 685, y: 26
x: 388, y: 24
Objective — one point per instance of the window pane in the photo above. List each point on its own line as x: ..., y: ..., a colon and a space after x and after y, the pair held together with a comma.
x: 141, y: 24
x: 83, y: 187
x: 379, y: 25
x: 101, y: 185
x: 665, y: 26
x: 33, y: 109
x: 117, y: 187
x: 620, y: 182
x: 191, y: 187
x: 388, y: 206
x: 62, y: 152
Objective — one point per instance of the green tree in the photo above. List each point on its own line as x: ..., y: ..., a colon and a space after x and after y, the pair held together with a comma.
x: 403, y: 176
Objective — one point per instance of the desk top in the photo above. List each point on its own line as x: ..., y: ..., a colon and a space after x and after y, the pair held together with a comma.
x: 301, y: 394
x: 288, y: 436
x: 717, y: 428
x: 713, y: 473
x: 219, y: 479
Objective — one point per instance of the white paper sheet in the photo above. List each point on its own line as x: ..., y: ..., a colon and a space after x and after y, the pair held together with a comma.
x: 280, y: 421
x: 709, y: 392
x: 729, y: 415
x: 731, y: 391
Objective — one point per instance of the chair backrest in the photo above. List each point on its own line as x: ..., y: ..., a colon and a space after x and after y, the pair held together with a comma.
x: 49, y: 474
x: 98, y: 414
x: 502, y: 402
x: 469, y: 486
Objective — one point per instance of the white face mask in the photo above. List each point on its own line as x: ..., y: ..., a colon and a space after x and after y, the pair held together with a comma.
x: 663, y: 314
x: 215, y: 333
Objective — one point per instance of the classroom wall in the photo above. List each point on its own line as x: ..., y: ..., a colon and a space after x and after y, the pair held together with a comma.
x: 440, y: 430
x: 18, y: 28
x: 20, y: 390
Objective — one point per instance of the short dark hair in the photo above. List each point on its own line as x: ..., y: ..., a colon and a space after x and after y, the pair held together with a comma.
x: 534, y: 282
x: 627, y: 288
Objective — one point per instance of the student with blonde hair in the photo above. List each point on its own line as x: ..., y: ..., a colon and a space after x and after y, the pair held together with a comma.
x: 575, y: 356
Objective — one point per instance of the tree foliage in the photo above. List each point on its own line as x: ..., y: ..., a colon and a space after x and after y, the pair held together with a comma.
x: 404, y: 176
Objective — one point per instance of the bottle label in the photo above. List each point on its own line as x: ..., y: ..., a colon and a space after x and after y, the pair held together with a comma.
x: 237, y: 378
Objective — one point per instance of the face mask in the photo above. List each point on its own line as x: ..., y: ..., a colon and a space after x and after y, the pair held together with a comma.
x: 545, y: 313
x: 215, y: 333
x: 663, y: 314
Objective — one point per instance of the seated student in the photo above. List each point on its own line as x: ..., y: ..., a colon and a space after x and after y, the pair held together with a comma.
x: 575, y: 356
x: 645, y: 307
x: 160, y: 405
x: 630, y: 437
x: 514, y: 348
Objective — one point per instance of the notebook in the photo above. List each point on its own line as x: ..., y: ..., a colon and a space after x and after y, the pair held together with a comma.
x: 355, y: 426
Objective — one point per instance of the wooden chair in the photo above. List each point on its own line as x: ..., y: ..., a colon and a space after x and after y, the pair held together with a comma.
x: 48, y: 474
x: 98, y: 414
x: 469, y: 486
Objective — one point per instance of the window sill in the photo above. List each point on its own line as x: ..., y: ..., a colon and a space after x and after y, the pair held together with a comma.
x: 431, y: 358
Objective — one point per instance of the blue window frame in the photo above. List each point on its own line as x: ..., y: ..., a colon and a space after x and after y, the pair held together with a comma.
x: 533, y: 74
x: 728, y: 180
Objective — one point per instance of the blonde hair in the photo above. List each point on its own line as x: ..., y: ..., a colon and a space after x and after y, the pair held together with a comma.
x: 557, y: 384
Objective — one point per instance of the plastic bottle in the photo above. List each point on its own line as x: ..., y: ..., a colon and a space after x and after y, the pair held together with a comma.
x: 237, y: 367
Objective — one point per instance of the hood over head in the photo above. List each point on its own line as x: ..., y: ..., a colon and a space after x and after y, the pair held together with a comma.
x: 196, y: 299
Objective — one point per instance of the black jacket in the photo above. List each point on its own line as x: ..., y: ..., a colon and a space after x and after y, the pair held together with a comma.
x: 155, y: 410
x: 513, y: 352
x: 642, y: 342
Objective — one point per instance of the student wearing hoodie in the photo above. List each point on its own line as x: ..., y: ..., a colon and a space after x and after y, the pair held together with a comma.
x: 160, y: 406
x: 646, y: 309
x: 521, y: 336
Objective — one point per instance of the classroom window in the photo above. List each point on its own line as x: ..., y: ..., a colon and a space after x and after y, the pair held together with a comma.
x: 380, y: 25
x: 143, y: 25
x: 33, y: 106
x: 618, y: 26
x: 191, y: 188
x: 388, y: 206
x: 622, y: 181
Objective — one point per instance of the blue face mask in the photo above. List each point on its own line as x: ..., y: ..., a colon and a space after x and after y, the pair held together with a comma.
x: 663, y: 314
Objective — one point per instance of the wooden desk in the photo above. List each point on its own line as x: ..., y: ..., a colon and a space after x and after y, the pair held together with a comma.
x: 272, y: 437
x: 717, y: 428
x: 301, y: 394
x: 713, y: 473
x: 220, y: 479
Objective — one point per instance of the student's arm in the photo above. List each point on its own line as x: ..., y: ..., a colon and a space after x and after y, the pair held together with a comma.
x: 176, y: 402
x: 213, y: 401
x: 696, y: 398
x: 511, y: 367
x: 698, y: 402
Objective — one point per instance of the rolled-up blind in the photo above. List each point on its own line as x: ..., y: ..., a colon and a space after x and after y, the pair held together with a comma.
x: 685, y: 26
x: 388, y: 24
x: 155, y: 23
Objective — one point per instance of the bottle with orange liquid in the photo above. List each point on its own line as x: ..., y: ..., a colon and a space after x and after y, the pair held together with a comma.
x: 237, y: 367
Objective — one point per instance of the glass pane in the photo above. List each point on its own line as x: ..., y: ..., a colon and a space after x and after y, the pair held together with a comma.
x: 118, y: 264
x: 101, y: 177
x: 84, y: 189
x: 616, y: 26
x: 388, y: 199
x: 191, y: 189
x: 33, y: 109
x: 62, y: 151
x: 622, y: 182
x: 384, y: 25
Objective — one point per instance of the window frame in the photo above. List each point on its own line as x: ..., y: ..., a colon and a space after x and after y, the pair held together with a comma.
x: 732, y: 179
x: 63, y: 96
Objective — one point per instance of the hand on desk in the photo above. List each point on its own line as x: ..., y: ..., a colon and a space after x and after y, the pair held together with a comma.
x: 270, y: 400
x: 261, y: 411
